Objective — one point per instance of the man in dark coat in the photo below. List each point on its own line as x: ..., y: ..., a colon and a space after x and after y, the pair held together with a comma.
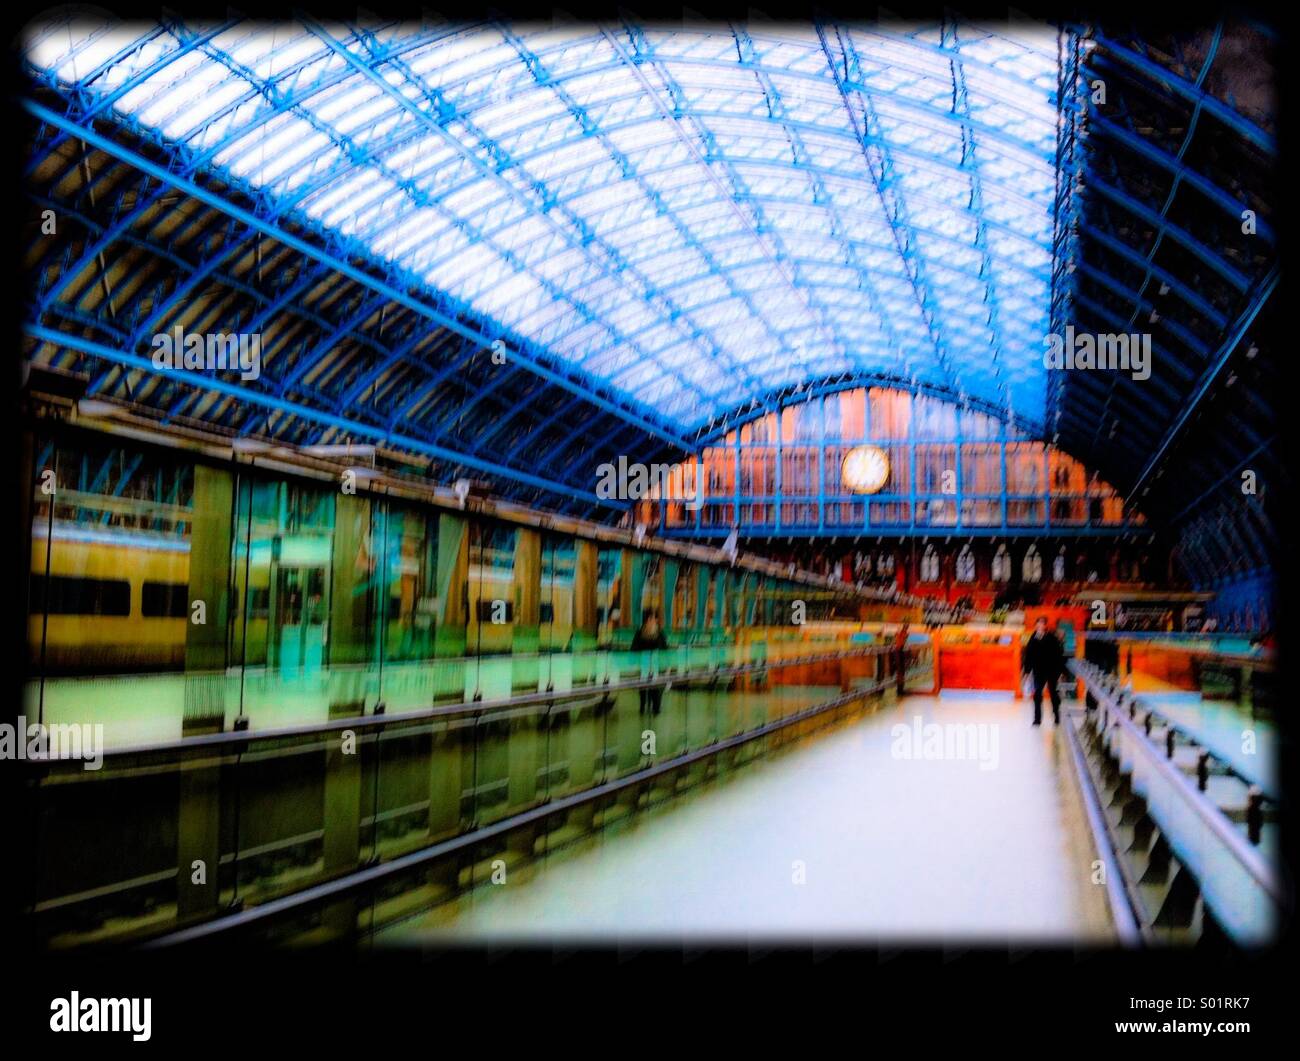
x: 649, y: 638
x: 900, y: 656
x: 1044, y: 658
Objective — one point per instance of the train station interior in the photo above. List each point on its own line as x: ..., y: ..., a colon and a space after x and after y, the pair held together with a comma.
x: 636, y: 482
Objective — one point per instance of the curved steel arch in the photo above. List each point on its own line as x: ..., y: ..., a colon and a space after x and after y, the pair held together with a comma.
x: 1161, y: 248
x: 290, y: 82
x: 756, y: 408
x: 931, y: 140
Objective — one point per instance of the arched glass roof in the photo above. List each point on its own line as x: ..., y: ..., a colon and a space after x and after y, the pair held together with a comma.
x: 694, y: 216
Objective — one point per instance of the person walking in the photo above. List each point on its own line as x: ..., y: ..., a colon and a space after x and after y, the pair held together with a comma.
x: 1044, y: 659
x: 900, y: 657
x: 650, y: 637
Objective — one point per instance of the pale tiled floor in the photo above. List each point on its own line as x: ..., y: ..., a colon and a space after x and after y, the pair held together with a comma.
x: 906, y: 850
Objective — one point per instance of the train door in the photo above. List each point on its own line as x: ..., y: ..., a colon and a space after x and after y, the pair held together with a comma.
x: 299, y: 610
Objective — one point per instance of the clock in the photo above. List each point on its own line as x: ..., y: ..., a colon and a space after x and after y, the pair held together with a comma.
x: 865, y: 469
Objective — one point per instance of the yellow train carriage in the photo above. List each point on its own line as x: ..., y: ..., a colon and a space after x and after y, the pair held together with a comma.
x: 101, y: 602
x: 107, y: 601
x: 493, y: 600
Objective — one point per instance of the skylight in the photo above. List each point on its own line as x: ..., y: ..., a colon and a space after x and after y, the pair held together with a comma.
x: 696, y: 216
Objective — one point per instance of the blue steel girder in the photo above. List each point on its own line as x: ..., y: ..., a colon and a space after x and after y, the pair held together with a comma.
x: 1191, y: 92
x: 352, y: 153
x: 507, y: 419
x: 961, y: 107
x: 1225, y: 458
x: 707, y: 434
x: 801, y: 158
x: 162, y: 308
x: 510, y: 380
x: 654, y: 291
x: 425, y: 390
x: 256, y: 397
x: 1255, y: 302
x: 124, y: 221
x: 1232, y: 474
x: 542, y: 200
x: 293, y: 79
x: 122, y: 479
x: 1085, y: 410
x: 1188, y: 294
x: 305, y: 364
x: 1173, y: 163
x: 1245, y: 549
x: 1068, y: 176
x: 877, y: 154
x: 616, y: 441
x: 1099, y: 124
x: 1144, y: 213
x: 108, y: 99
x: 625, y: 406
x: 325, y: 401
x: 1193, y: 561
x: 384, y: 370
x: 456, y: 413
x: 688, y: 130
x: 849, y: 216
x: 308, y: 279
x: 1142, y: 412
x: 251, y: 293
x: 819, y: 173
x: 1086, y: 390
x: 1115, y: 322
x: 1181, y: 173
x: 1258, y: 523
x: 765, y: 123
x: 1006, y: 140
x: 1141, y: 308
x: 1078, y: 423
x: 540, y: 428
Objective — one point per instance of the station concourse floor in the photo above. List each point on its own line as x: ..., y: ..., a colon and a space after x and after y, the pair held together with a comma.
x: 906, y: 850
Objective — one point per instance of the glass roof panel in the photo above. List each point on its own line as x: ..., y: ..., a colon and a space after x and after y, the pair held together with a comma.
x: 698, y: 215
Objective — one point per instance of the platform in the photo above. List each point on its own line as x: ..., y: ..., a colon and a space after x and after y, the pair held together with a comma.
x: 891, y: 848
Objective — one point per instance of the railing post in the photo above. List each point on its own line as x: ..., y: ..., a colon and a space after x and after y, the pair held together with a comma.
x: 199, y: 838
x: 341, y: 816
x: 1254, y: 813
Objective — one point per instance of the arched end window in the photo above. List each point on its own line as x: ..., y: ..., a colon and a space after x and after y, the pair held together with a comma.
x: 1031, y: 568
x: 966, y: 565
x: 1058, y: 566
x: 1001, y: 565
x: 930, y: 565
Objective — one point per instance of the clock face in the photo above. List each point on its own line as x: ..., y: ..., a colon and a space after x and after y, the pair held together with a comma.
x: 865, y: 469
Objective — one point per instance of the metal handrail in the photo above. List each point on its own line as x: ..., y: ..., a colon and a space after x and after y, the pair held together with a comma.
x: 242, y: 738
x: 1190, y: 737
x: 1170, y: 643
x: 1120, y: 896
x: 1204, y: 809
x: 377, y: 874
